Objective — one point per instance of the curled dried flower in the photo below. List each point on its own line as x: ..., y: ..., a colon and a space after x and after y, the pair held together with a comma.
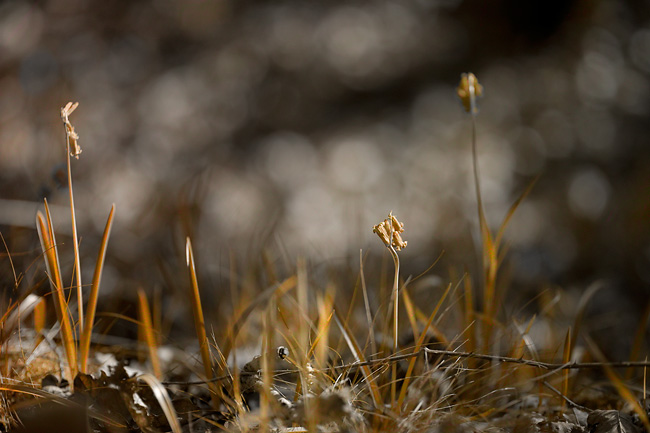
x: 71, y: 135
x: 389, y: 231
x: 468, y: 90
x: 68, y: 110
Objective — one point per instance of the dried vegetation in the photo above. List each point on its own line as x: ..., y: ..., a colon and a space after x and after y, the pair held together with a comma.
x: 463, y: 365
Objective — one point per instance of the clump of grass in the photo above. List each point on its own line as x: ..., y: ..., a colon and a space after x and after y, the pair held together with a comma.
x: 77, y: 357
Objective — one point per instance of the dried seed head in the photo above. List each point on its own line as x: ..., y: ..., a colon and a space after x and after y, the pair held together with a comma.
x: 389, y: 232
x: 71, y: 136
x: 468, y: 90
x: 68, y: 110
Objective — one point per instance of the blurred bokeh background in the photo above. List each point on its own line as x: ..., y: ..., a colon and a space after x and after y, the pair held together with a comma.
x: 293, y: 127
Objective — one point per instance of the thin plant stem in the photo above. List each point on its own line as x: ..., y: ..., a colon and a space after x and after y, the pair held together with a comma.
x: 393, y: 385
x: 75, y: 241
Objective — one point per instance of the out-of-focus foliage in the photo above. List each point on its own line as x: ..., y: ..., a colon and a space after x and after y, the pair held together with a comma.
x: 296, y: 125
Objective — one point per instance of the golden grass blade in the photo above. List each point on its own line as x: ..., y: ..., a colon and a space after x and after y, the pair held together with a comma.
x: 48, y: 244
x: 87, y: 329
x: 418, y: 347
x: 40, y: 315
x: 566, y: 358
x: 199, y: 322
x: 165, y: 402
x: 358, y: 356
x: 410, y: 312
x: 148, y: 332
x: 321, y: 343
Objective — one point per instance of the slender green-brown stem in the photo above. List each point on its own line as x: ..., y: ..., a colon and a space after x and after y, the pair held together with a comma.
x: 75, y: 242
x: 393, y: 386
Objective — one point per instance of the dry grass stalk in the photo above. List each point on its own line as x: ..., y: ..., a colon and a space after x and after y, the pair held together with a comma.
x: 73, y: 150
x: 149, y: 333
x: 389, y: 231
x: 469, y: 90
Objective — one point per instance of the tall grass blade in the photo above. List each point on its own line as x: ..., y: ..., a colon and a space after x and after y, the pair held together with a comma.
x: 148, y: 332
x: 40, y: 315
x: 87, y: 330
x: 321, y: 343
x: 199, y: 322
x: 410, y: 312
x: 48, y: 244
